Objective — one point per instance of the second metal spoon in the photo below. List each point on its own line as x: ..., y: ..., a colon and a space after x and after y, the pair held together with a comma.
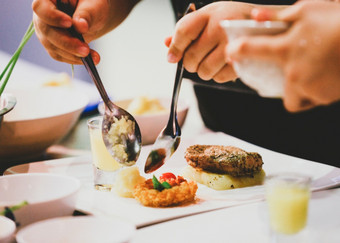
x: 168, y: 140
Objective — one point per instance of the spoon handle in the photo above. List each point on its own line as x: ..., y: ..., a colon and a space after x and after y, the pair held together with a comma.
x: 87, y: 61
x: 170, y: 129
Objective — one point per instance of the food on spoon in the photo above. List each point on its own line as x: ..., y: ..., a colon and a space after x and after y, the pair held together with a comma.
x: 126, y: 180
x: 169, y: 190
x: 144, y: 105
x: 223, y: 167
x: 117, y: 136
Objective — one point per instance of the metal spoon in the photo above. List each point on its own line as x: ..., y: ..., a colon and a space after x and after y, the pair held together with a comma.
x: 168, y: 140
x: 121, y: 133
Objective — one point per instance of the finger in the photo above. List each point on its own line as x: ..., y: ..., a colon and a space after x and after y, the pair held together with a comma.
x: 187, y: 30
x: 225, y: 74
x: 295, y: 100
x: 61, y: 55
x: 295, y: 103
x: 167, y: 41
x: 263, y: 14
x: 63, y: 40
x: 202, y: 47
x: 263, y: 47
x: 95, y: 56
x: 211, y: 64
x: 48, y: 13
x: 291, y: 13
x: 82, y: 17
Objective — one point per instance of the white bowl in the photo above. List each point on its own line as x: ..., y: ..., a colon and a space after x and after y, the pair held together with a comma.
x: 264, y: 77
x: 152, y: 124
x: 79, y: 229
x: 48, y: 195
x: 41, y: 117
x: 7, y: 229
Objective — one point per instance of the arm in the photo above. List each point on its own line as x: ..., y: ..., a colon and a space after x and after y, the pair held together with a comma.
x: 92, y: 18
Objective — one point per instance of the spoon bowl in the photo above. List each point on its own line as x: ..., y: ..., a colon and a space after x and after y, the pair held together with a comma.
x: 121, y: 134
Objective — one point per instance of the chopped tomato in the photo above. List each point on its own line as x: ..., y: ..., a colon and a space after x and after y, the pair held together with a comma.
x: 167, y: 176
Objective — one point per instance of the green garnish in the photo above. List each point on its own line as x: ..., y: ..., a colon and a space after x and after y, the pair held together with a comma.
x: 166, y: 185
x: 15, y: 207
x: 160, y: 186
x: 8, y: 211
x: 11, y: 64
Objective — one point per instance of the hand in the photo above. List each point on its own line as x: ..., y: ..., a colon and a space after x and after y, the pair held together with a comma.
x: 308, y: 52
x: 92, y: 18
x: 200, y: 40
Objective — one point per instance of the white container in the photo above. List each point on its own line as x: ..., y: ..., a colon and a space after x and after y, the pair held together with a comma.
x: 7, y: 229
x: 48, y: 195
x: 264, y: 77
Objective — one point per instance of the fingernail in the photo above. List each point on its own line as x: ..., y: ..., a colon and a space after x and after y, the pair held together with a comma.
x: 172, y: 58
x: 82, y: 20
x: 83, y: 51
x: 66, y: 23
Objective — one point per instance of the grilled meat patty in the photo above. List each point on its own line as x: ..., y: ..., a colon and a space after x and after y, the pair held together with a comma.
x: 224, y: 159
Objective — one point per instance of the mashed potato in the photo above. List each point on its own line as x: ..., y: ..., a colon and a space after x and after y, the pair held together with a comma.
x: 144, y: 105
x: 118, y: 129
x: 223, y: 181
x: 126, y: 181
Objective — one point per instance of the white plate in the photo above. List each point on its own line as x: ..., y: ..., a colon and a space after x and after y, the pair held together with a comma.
x: 108, y: 204
x: 79, y: 229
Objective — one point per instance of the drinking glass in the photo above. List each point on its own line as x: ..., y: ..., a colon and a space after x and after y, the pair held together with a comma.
x: 287, y: 197
x: 105, y: 167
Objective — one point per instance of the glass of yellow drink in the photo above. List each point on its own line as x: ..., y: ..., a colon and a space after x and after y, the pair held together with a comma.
x: 287, y: 197
x: 105, y: 167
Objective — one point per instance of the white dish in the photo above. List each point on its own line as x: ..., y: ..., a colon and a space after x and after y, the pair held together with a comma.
x: 7, y: 229
x: 109, y: 204
x: 264, y: 77
x: 41, y: 117
x: 104, y: 204
x: 152, y: 124
x: 79, y: 229
x: 48, y: 195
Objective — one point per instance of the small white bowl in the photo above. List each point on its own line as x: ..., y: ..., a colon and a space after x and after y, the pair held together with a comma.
x: 7, y: 229
x: 78, y: 229
x: 152, y: 124
x: 264, y: 77
x: 48, y: 195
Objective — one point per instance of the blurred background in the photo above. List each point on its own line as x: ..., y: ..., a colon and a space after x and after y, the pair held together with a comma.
x: 133, y: 60
x: 133, y: 57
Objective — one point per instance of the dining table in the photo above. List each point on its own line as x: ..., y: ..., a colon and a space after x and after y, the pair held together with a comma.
x: 236, y: 215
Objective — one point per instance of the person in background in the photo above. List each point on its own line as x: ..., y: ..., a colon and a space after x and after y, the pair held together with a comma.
x: 237, y: 110
x: 230, y: 107
x: 309, y: 53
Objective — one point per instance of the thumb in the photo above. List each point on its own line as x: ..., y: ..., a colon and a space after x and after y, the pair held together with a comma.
x: 82, y: 17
